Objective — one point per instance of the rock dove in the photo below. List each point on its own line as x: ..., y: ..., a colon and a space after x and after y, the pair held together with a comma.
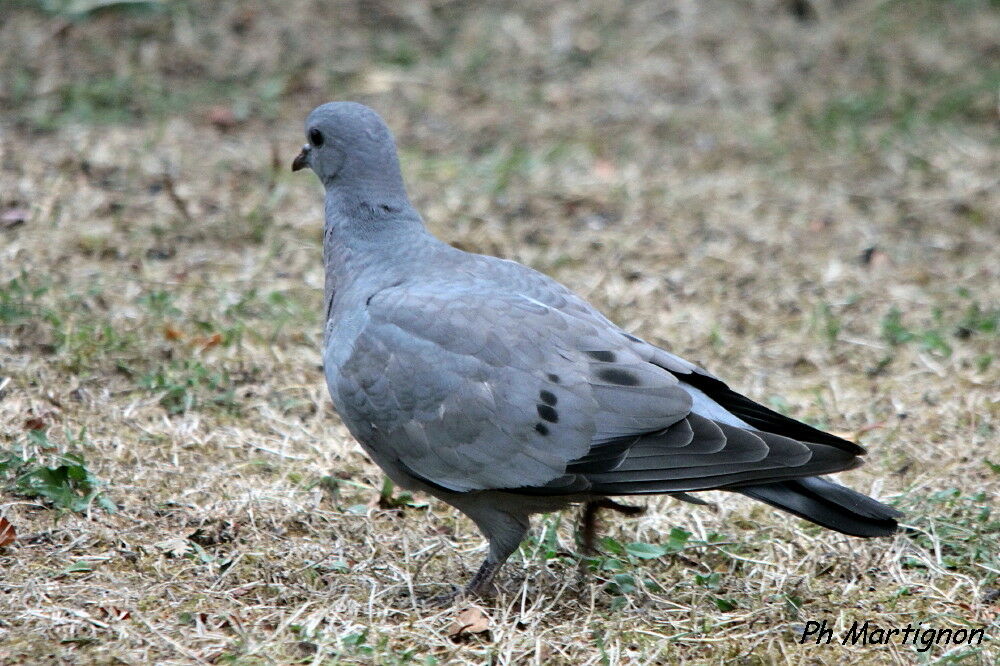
x: 499, y: 391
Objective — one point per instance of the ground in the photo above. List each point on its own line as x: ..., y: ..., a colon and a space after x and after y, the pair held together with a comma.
x: 800, y: 195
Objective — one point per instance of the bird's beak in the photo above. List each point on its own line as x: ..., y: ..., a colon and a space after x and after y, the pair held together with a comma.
x: 302, y: 159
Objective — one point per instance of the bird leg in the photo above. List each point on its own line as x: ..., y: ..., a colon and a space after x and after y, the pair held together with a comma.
x: 588, y: 520
x: 481, y: 582
x: 479, y: 586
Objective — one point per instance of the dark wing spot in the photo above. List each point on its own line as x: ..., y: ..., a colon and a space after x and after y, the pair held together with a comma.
x: 618, y: 376
x: 631, y: 337
x: 547, y: 413
x: 553, y: 378
x: 541, y: 429
x: 605, y: 356
x: 548, y: 397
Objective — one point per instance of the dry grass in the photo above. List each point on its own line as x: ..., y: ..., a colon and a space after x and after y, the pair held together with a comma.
x: 809, y: 207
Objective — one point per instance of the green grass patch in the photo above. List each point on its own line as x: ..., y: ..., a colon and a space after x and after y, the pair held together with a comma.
x: 939, y: 335
x: 61, y: 480
x: 20, y: 299
x: 188, y: 384
x: 957, y: 529
x: 878, y: 115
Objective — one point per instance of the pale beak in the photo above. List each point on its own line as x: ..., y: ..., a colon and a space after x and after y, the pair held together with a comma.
x: 302, y: 159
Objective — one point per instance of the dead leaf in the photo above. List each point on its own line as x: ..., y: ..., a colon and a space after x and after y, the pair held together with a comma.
x: 12, y: 217
x: 471, y: 620
x: 177, y: 547
x: 216, y: 622
x: 222, y: 117
x: 209, y: 342
x: 868, y: 428
x: 881, y: 259
x: 875, y: 258
x: 34, y: 423
x: 856, y: 435
x: 7, y: 533
x: 115, y: 613
x: 171, y: 333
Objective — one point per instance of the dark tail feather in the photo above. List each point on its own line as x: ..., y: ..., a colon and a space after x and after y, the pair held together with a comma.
x: 828, y: 504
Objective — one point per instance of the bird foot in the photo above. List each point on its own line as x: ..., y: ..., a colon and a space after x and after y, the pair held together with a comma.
x: 480, y: 586
x: 443, y: 600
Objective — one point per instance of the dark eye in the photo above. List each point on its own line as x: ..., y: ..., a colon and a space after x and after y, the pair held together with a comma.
x: 315, y: 137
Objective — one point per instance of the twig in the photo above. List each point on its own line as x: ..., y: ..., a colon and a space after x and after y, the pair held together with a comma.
x: 175, y: 198
x: 272, y: 179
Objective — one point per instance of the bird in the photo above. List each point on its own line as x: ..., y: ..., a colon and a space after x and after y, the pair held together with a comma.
x: 498, y: 390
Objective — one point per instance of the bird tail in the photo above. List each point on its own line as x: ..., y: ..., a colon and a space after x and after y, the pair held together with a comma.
x: 828, y: 504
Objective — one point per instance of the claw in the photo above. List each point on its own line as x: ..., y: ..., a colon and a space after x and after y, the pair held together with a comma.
x: 444, y: 600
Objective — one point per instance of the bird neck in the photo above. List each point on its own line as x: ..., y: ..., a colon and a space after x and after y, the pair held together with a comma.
x: 375, y: 234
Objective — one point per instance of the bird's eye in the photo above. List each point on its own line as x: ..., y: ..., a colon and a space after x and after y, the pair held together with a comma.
x: 315, y: 137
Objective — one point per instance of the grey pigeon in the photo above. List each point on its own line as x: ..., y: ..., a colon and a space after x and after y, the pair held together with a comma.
x: 496, y: 389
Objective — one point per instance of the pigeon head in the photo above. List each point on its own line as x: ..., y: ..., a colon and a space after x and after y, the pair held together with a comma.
x: 349, y: 147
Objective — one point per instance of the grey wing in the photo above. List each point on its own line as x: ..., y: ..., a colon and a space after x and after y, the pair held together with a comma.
x: 726, y: 441
x: 471, y: 390
x: 714, y: 399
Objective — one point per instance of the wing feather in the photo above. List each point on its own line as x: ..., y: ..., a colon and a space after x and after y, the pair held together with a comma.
x: 467, y: 397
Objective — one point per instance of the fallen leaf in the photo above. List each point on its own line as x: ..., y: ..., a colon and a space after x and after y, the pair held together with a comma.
x: 115, y: 613
x: 209, y: 342
x: 211, y: 622
x: 171, y: 333
x: 869, y: 427
x: 471, y: 620
x: 222, y: 117
x: 875, y: 258
x: 177, y: 547
x: 34, y: 423
x: 12, y: 217
x: 7, y: 533
x: 198, y: 619
x: 856, y: 434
